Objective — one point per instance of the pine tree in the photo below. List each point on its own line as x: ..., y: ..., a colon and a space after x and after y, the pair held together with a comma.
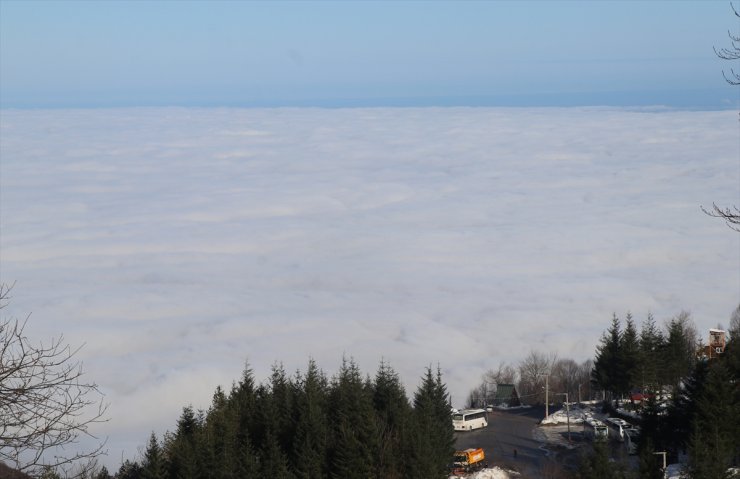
x: 182, y: 447
x: 272, y: 459
x: 203, y: 448
x: 649, y: 358
x: 679, y: 351
x: 354, y: 429
x: 597, y: 465
x: 682, y: 409
x: 282, y: 396
x: 242, y: 401
x: 247, y: 464
x: 310, y: 416
x: 732, y: 350
x: 714, y: 439
x: 219, y: 447
x: 433, y: 439
x: 153, y: 466
x: 650, y: 466
x: 651, y: 426
x: 393, y: 410
x: 444, y: 438
x: 243, y: 395
x: 607, y: 372
x: 629, y: 349
x: 129, y: 470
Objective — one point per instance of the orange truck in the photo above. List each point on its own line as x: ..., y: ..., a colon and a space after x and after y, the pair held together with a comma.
x: 468, y: 460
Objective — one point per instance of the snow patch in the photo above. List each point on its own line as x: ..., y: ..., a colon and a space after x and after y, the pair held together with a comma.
x: 577, y: 416
x: 490, y: 473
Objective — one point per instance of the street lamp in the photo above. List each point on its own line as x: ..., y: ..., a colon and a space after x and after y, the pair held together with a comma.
x: 547, y: 392
x: 567, y: 413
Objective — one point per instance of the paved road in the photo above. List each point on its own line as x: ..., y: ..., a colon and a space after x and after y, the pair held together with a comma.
x: 510, y: 431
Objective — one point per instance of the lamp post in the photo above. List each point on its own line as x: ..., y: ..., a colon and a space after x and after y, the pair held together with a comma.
x: 567, y: 413
x: 547, y: 392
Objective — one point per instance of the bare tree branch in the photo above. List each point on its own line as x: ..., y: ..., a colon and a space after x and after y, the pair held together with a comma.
x: 730, y: 215
x: 45, y: 405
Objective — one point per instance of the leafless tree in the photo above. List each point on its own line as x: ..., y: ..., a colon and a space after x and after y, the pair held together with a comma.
x: 584, y: 379
x: 505, y: 374
x: 732, y: 53
x: 485, y: 392
x: 734, y: 329
x: 564, y: 378
x: 46, y: 407
x: 730, y: 215
x: 533, y: 371
x: 688, y: 327
x: 478, y: 397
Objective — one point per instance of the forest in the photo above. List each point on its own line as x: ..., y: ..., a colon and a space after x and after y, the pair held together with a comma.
x: 307, y: 426
x: 354, y: 425
x: 690, y: 400
x: 692, y: 406
x: 310, y: 426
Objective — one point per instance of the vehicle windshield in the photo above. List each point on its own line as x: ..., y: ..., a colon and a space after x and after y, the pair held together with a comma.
x: 457, y: 417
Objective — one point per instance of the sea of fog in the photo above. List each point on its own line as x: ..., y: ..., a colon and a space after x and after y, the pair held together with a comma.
x: 176, y: 244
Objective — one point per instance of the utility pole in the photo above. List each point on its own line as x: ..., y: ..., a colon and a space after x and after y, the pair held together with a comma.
x: 579, y: 393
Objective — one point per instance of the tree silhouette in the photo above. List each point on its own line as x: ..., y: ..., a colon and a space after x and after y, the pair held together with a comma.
x: 731, y: 215
x: 731, y: 53
x: 45, y: 405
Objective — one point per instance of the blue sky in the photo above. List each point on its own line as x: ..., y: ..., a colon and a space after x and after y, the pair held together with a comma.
x: 92, y: 54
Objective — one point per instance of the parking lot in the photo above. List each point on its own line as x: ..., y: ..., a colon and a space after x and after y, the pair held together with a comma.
x: 509, y: 441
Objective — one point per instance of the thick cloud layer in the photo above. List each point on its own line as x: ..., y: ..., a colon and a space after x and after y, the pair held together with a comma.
x: 178, y: 243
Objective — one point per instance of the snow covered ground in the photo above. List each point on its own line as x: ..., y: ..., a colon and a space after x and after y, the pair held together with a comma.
x: 577, y: 416
x: 674, y: 471
x: 511, y: 408
x: 553, y: 430
x: 489, y: 473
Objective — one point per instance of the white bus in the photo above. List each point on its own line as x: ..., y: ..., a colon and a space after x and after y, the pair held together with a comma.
x: 617, y: 428
x: 595, y: 430
x: 469, y: 419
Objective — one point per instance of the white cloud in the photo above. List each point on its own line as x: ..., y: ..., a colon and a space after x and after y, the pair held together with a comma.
x: 177, y: 243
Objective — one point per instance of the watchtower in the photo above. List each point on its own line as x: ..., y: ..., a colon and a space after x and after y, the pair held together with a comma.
x: 717, y: 342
